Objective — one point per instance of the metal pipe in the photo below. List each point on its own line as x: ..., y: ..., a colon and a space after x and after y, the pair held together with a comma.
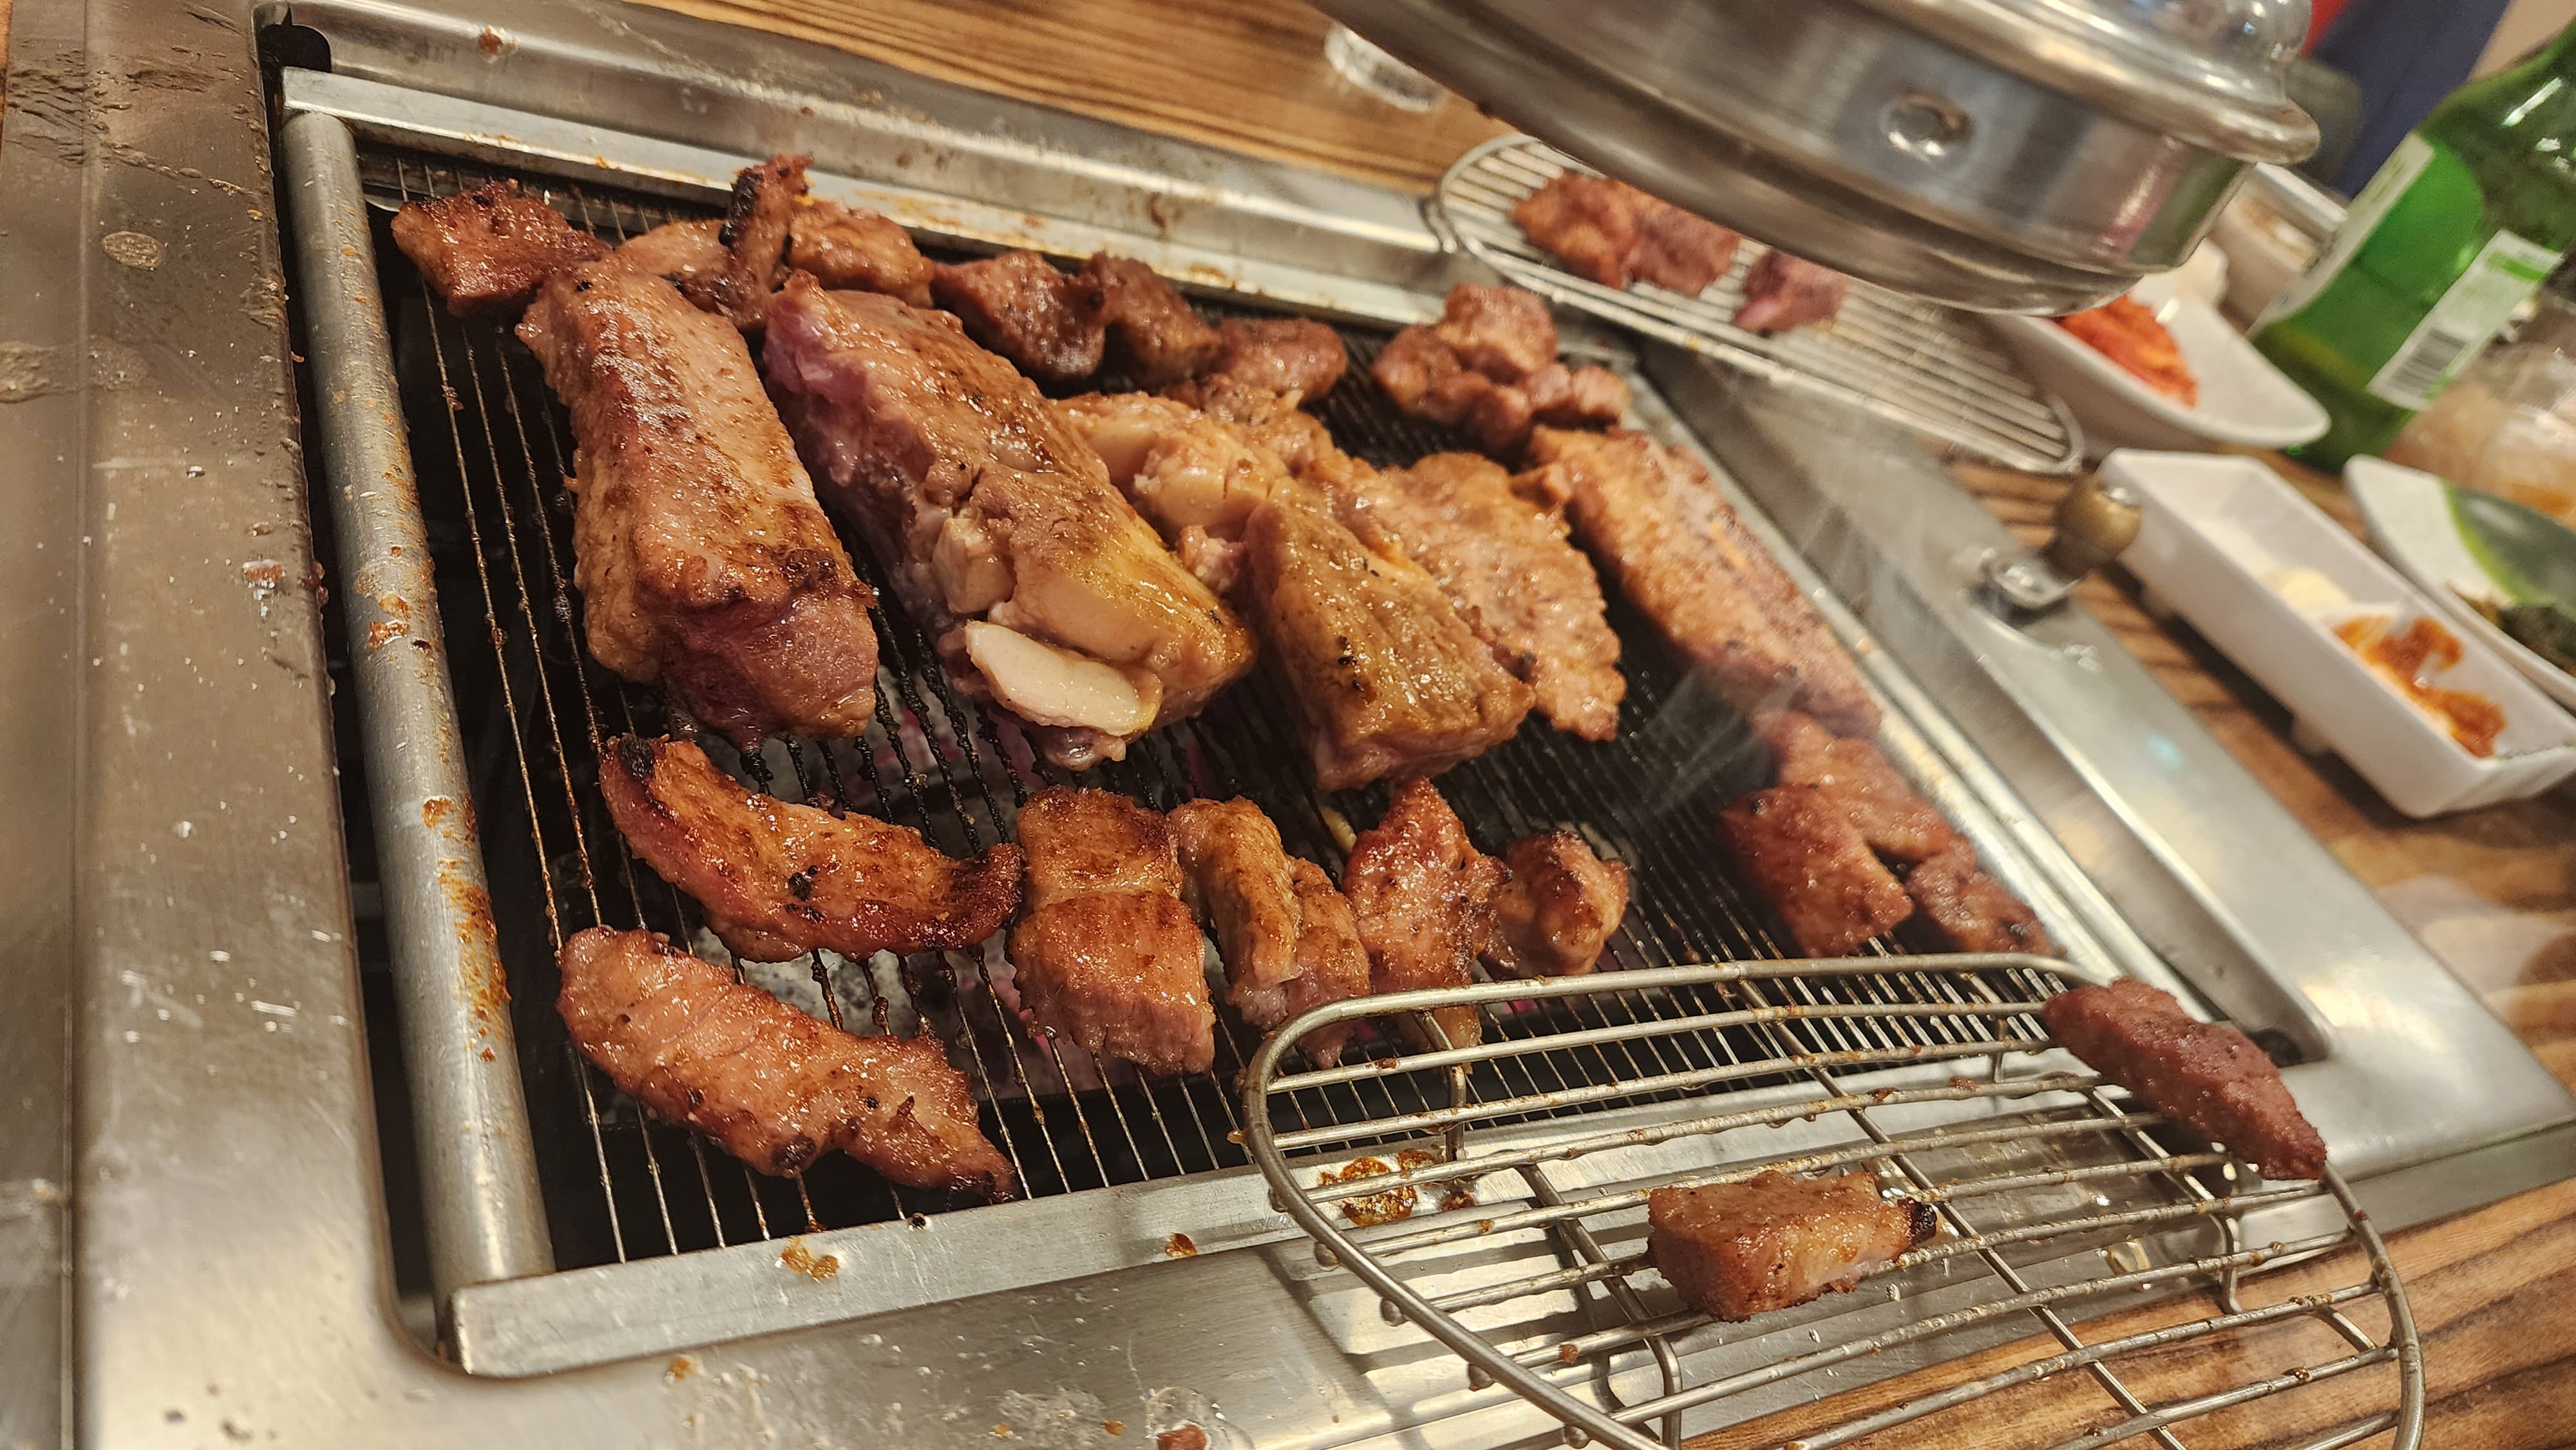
x: 478, y: 1171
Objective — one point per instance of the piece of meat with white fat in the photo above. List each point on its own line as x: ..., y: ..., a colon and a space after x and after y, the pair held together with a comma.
x: 1588, y: 222
x: 2207, y: 1074
x: 1896, y: 821
x: 779, y: 880
x: 1108, y: 954
x: 1503, y: 563
x: 1783, y: 292
x: 1653, y: 517
x: 1281, y: 355
x: 1287, y: 937
x: 1181, y: 468
x: 1812, y: 865
x: 1734, y: 1250
x: 488, y: 250
x: 987, y: 507
x: 849, y: 249
x: 1423, y: 896
x: 771, y: 1085
x: 1029, y: 310
x: 1155, y: 337
x: 703, y: 558
x: 1558, y: 910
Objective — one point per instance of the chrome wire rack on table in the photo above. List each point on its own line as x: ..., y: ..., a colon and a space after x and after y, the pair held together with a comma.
x: 1931, y: 368
x: 1516, y: 1237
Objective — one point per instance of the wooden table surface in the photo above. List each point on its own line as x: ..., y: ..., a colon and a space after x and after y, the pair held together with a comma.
x: 2493, y: 892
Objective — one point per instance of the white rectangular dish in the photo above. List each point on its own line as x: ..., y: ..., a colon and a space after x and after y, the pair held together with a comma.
x: 2265, y: 575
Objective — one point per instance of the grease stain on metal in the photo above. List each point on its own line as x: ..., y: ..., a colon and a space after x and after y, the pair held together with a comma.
x: 139, y: 250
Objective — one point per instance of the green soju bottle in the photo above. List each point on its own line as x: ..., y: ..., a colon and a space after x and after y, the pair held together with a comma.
x: 2471, y: 214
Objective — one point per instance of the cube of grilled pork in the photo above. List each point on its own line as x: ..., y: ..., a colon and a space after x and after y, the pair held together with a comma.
x: 765, y: 199
x: 1898, y: 824
x: 773, y: 1086
x: 2207, y: 1074
x: 1423, y: 896
x: 1558, y: 910
x: 1108, y: 954
x: 489, y: 248
x: 988, y: 508
x: 1332, y: 964
x: 1783, y: 292
x: 1029, y: 310
x: 1810, y: 862
x: 779, y: 880
x: 1653, y: 517
x: 855, y: 250
x: 1676, y: 249
x: 1287, y: 937
x: 703, y: 559
x: 1490, y: 367
x: 1588, y: 222
x: 1281, y: 355
x: 1503, y: 563
x: 1155, y: 337
x: 1505, y: 333
x: 1734, y: 1250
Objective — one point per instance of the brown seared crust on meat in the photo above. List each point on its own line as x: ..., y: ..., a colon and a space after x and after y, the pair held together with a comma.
x: 2207, y: 1074
x: 1558, y: 910
x: 486, y: 250
x: 1490, y: 368
x: 1423, y: 897
x: 1108, y: 954
x: 1734, y: 1250
x: 771, y: 1085
x: 1281, y: 355
x: 1898, y: 823
x: 1506, y: 333
x: 1332, y: 964
x: 1783, y: 292
x: 850, y: 249
x: 1238, y: 880
x: 779, y: 880
x: 1812, y: 865
x: 765, y: 198
x: 703, y: 557
x: 1024, y: 307
x: 1588, y: 222
x: 1676, y: 249
x: 1155, y: 336
x: 1970, y: 911
x: 687, y: 254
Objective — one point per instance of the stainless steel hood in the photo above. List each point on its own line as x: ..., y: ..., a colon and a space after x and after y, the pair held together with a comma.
x: 214, y: 1196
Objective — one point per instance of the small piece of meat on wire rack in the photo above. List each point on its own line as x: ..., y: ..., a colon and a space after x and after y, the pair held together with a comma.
x: 486, y: 250
x: 852, y: 250
x: 1026, y: 308
x: 1424, y: 898
x: 1490, y: 367
x: 1734, y: 1250
x: 1782, y: 292
x: 779, y: 880
x: 1970, y: 911
x: 775, y: 1087
x: 1558, y: 910
x: 1678, y: 250
x: 1155, y: 336
x: 1813, y: 866
x: 1281, y: 355
x: 1108, y: 954
x: 1287, y: 937
x: 766, y: 198
x: 1898, y: 823
x: 1588, y: 222
x: 2207, y: 1074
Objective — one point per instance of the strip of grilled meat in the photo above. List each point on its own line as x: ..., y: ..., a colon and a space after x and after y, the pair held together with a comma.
x: 1558, y: 910
x: 1734, y: 1250
x: 854, y: 250
x: 765, y: 198
x: 1287, y: 937
x: 1811, y: 863
x: 2207, y: 1074
x: 703, y: 558
x: 779, y: 880
x: 1108, y: 954
x: 1588, y: 222
x: 1019, y: 304
x: 486, y: 250
x: 1424, y: 899
x: 1970, y: 911
x: 1898, y: 824
x: 1782, y: 292
x: 773, y: 1086
x: 1281, y: 355
x: 1155, y: 336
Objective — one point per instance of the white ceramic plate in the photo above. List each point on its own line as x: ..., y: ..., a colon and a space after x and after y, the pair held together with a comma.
x: 2412, y: 522
x: 2245, y: 402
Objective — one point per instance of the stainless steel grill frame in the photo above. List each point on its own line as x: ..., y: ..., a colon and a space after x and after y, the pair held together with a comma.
x: 1933, y: 369
x: 2054, y: 1136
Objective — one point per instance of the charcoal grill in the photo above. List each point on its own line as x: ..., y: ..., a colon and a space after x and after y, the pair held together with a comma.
x: 585, y: 1276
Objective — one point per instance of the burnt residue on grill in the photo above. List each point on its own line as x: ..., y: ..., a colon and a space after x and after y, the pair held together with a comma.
x: 493, y: 449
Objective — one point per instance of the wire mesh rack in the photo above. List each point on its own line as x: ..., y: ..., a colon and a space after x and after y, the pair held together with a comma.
x: 1928, y: 367
x: 1522, y: 1247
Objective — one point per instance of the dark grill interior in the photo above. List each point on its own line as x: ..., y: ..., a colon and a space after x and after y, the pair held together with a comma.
x: 491, y: 448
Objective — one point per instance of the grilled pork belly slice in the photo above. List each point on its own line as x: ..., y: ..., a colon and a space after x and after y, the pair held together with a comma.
x: 1029, y: 310
x: 779, y: 880
x: 985, y: 504
x: 1898, y: 824
x: 773, y: 1086
x: 1108, y: 954
x: 1281, y: 355
x: 1587, y: 222
x: 2207, y: 1074
x: 1503, y: 563
x: 1652, y: 516
x: 1558, y: 910
x: 1782, y: 292
x: 1811, y: 863
x: 703, y: 558
x: 1155, y: 336
x: 1423, y: 896
x: 486, y: 250
x: 855, y: 250
x: 1734, y: 1250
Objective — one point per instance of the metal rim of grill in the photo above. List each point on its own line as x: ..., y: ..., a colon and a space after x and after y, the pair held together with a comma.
x: 1918, y: 363
x: 1837, y: 1029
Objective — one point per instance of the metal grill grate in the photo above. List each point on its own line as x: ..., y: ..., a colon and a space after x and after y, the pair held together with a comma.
x: 1533, y: 1266
x: 1917, y: 363
x: 492, y: 446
